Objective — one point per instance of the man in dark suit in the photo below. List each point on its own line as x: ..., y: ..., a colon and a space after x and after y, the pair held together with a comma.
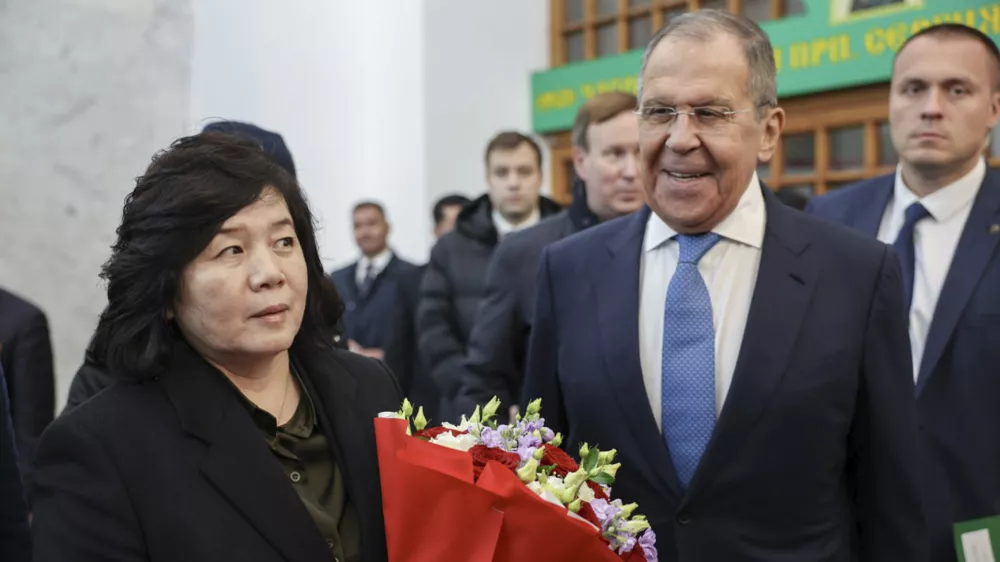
x: 941, y: 209
x: 368, y: 286
x: 749, y: 362
x: 26, y: 357
x: 606, y: 161
x: 454, y: 281
x: 15, y: 538
x: 402, y: 355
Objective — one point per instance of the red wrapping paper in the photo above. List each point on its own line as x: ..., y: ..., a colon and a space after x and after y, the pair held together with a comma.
x: 435, y: 512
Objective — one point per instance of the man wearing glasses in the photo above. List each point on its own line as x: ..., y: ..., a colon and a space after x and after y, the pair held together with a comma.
x: 750, y: 363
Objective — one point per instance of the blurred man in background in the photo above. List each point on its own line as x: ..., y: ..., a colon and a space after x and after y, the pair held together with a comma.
x: 26, y: 358
x: 606, y: 162
x: 15, y: 538
x: 401, y: 353
x: 456, y: 275
x: 369, y: 285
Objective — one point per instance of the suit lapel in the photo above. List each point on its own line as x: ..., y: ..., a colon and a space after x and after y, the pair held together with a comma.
x: 975, y: 248
x: 868, y: 213
x: 785, y: 283
x: 237, y: 460
x: 617, y: 297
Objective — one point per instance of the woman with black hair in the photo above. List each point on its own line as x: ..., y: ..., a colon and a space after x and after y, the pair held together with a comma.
x: 237, y: 430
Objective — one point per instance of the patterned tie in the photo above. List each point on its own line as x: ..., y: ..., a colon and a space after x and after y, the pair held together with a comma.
x: 904, y: 246
x: 688, y: 399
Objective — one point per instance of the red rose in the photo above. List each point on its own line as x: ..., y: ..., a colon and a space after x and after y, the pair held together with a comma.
x: 432, y: 432
x: 563, y: 462
x: 587, y: 513
x: 598, y: 490
x: 482, y: 454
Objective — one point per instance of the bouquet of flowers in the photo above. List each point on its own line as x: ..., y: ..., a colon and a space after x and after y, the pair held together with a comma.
x: 481, y: 491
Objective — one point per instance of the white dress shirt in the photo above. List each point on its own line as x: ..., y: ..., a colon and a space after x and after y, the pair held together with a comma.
x: 730, y: 273
x: 935, y: 239
x: 505, y: 227
x: 379, y: 262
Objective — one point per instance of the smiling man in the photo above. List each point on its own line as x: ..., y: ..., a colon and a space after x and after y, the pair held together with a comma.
x: 941, y: 210
x: 749, y: 362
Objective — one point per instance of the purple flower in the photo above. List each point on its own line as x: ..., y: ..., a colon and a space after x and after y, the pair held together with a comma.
x: 648, y: 543
x: 628, y: 543
x: 535, y: 425
x: 529, y: 440
x: 547, y: 434
x: 525, y: 453
x: 492, y: 439
x: 604, y: 511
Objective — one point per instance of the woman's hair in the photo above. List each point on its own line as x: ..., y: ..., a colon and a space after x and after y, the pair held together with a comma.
x: 175, y: 210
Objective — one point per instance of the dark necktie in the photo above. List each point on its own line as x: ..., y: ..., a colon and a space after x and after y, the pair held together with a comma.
x: 368, y: 281
x: 905, y: 249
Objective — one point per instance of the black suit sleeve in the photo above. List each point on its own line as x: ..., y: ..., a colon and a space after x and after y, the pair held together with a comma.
x: 440, y: 344
x: 495, y: 343
x: 882, y: 444
x: 15, y: 538
x: 33, y: 380
x: 541, y: 378
x: 82, y: 511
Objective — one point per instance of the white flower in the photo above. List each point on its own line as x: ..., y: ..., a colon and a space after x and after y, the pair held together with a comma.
x: 586, y: 494
x: 390, y: 415
x: 463, y: 426
x: 462, y: 442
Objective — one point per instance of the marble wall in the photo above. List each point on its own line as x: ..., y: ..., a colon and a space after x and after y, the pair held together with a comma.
x: 90, y: 90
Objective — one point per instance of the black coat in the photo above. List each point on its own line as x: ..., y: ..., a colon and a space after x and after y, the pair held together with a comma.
x: 498, y: 345
x: 452, y: 287
x: 92, y: 377
x: 26, y: 357
x: 175, y: 469
x: 15, y: 538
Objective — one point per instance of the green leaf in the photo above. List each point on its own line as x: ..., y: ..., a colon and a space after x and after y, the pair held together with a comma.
x: 547, y: 469
x: 604, y: 478
x: 590, y: 462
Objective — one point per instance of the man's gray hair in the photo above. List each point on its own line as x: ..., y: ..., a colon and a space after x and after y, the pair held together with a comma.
x: 705, y: 25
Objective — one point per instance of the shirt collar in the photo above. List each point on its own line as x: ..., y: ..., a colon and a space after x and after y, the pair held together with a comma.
x: 379, y: 261
x: 504, y: 227
x: 945, y: 202
x: 744, y: 225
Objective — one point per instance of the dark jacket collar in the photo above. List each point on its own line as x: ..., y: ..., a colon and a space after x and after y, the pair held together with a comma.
x: 476, y: 219
x: 579, y: 213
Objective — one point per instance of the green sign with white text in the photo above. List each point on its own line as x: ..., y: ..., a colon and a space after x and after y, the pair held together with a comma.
x: 829, y: 47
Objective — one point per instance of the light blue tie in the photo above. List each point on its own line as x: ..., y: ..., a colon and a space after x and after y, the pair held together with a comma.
x: 687, y: 402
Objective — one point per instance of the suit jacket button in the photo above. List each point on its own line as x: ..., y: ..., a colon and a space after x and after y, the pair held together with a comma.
x: 683, y: 520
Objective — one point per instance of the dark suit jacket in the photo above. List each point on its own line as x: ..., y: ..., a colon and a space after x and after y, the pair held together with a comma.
x: 958, y: 386
x: 26, y: 357
x: 175, y: 469
x: 402, y: 353
x: 368, y: 319
x: 816, y: 442
x: 15, y: 538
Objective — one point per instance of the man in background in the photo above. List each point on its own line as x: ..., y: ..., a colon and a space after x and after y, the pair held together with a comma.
x: 941, y: 211
x: 606, y: 161
x: 401, y: 353
x: 15, y: 537
x: 454, y: 281
x: 368, y: 286
x: 26, y: 358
